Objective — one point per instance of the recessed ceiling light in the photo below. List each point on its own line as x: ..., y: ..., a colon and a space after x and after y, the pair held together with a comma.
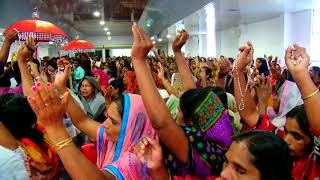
x: 62, y: 44
x: 168, y: 36
x: 105, y: 29
x: 148, y: 24
x: 102, y: 22
x: 96, y: 13
x: 109, y: 38
x: 152, y: 38
x: 153, y: 42
x: 50, y: 42
x: 1, y: 34
x: 108, y: 33
x: 159, y: 39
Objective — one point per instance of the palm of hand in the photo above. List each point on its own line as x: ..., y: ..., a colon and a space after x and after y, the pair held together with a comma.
x: 153, y: 158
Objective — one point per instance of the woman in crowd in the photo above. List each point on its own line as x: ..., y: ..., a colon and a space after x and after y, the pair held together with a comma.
x: 302, y: 126
x: 91, y: 98
x: 102, y: 78
x: 126, y: 123
x: 205, y: 76
x: 25, y: 142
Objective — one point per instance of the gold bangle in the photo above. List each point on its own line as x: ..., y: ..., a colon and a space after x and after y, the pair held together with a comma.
x: 312, y: 94
x: 62, y: 144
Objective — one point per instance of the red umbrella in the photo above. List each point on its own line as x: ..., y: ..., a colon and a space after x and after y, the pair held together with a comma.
x: 78, y: 45
x: 41, y: 31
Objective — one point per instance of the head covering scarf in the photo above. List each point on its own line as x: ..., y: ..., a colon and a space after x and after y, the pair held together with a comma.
x: 115, y: 156
x: 209, y: 135
x: 132, y: 84
x: 290, y: 98
x: 104, y: 78
x: 96, y: 105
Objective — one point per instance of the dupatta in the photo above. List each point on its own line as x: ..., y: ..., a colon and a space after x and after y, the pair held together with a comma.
x: 115, y: 156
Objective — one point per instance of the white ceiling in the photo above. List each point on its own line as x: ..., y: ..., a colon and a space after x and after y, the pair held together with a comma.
x: 160, y: 14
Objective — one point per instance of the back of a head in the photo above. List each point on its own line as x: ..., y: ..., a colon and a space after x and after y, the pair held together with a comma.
x: 118, y: 84
x: 18, y: 117
x: 271, y: 155
x: 191, y: 99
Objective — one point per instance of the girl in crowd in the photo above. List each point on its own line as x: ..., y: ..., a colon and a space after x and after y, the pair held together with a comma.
x: 302, y: 126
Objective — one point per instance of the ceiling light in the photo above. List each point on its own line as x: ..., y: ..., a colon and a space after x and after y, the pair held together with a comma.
x: 62, y: 44
x: 1, y: 33
x: 152, y: 38
x: 108, y: 33
x: 50, y: 42
x: 168, y: 36
x: 148, y: 24
x: 159, y: 39
x: 109, y: 38
x: 105, y: 29
x: 102, y: 22
x: 96, y: 13
x: 153, y: 42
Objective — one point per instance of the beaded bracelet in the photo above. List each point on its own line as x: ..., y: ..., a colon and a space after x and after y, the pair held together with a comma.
x: 312, y: 94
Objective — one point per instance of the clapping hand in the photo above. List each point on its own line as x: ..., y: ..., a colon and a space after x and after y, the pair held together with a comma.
x: 11, y: 36
x: 26, y: 50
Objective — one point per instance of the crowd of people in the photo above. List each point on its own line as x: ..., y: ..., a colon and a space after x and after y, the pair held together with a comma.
x: 158, y: 117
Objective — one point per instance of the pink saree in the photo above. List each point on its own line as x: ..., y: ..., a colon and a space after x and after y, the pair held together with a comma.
x: 115, y: 157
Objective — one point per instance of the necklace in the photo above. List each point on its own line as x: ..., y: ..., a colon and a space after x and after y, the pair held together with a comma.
x: 242, y: 94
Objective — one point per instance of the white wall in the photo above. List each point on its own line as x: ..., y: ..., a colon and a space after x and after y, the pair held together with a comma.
x: 116, y: 41
x: 266, y: 36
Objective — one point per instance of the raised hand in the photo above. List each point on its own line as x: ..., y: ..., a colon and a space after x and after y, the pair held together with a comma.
x: 141, y: 44
x: 297, y: 60
x: 63, y: 74
x: 180, y: 40
x: 26, y: 50
x: 225, y: 67
x: 160, y: 71
x: 11, y: 36
x: 263, y: 90
x: 48, y: 106
x: 245, y: 57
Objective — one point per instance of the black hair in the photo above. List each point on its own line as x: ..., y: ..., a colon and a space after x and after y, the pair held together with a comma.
x: 113, y: 69
x: 53, y: 63
x: 316, y: 70
x: 264, y: 69
x: 5, y: 78
x: 299, y: 114
x: 18, y: 117
x: 36, y: 61
x: 16, y: 72
x: 208, y: 72
x: 120, y: 104
x: 191, y: 99
x: 270, y: 154
x: 118, y: 85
